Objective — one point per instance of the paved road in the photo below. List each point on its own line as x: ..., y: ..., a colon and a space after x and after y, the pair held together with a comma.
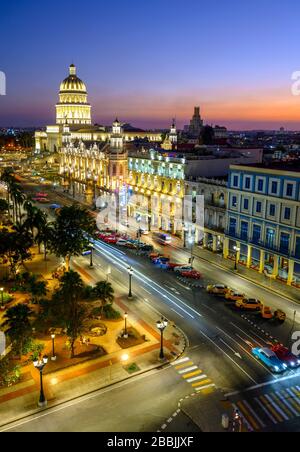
x: 125, y: 408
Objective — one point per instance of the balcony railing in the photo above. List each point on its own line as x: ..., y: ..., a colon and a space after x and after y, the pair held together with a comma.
x: 261, y: 244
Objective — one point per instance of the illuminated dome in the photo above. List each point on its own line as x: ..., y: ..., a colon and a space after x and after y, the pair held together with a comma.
x: 73, y: 107
x: 72, y: 83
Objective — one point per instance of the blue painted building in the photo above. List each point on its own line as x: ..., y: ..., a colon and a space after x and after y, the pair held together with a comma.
x: 263, y: 219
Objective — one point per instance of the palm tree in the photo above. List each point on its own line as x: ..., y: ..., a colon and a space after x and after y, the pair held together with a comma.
x: 71, y: 232
x: 44, y: 236
x: 38, y: 290
x: 8, y: 178
x: 72, y: 311
x: 17, y: 325
x: 105, y: 292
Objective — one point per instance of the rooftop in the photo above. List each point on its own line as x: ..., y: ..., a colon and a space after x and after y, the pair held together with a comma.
x: 293, y: 166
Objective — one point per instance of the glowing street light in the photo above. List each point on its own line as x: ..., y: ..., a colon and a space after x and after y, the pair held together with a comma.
x: 130, y: 273
x: 40, y: 364
x: 162, y: 325
x: 237, y: 250
x: 53, y: 357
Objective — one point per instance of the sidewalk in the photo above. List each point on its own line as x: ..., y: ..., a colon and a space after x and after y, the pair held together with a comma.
x: 281, y: 289
x: 206, y: 411
x: 21, y: 400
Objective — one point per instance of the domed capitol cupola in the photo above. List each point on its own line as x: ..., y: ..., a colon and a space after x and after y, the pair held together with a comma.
x: 73, y: 107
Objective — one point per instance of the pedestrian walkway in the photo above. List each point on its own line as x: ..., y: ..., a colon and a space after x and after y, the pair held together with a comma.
x: 193, y: 375
x: 269, y: 409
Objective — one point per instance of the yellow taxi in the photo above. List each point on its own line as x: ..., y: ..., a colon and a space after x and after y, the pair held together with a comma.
x: 217, y: 289
x: 234, y: 295
x: 249, y: 304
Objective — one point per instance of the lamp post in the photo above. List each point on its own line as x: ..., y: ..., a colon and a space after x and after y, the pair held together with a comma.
x: 191, y: 243
x: 162, y: 325
x: 130, y: 273
x: 125, y: 329
x: 237, y: 250
x: 95, y: 187
x: 2, y: 297
x: 40, y: 364
x: 91, y: 255
x: 53, y: 357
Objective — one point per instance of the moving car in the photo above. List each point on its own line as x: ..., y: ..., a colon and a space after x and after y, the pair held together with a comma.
x: 234, y: 295
x: 186, y: 268
x: 55, y: 206
x: 217, y: 289
x: 86, y: 252
x: 122, y: 242
x: 249, y: 304
x: 192, y: 274
x: 269, y: 358
x: 286, y: 356
x: 163, y: 239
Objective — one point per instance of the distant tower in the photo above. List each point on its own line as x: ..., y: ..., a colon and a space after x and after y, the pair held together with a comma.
x: 196, y: 123
x: 116, y: 138
x: 173, y: 133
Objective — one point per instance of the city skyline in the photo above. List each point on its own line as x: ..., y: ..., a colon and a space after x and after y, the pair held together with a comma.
x: 148, y: 64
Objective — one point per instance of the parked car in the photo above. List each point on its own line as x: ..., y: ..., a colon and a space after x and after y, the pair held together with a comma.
x: 269, y: 358
x: 86, y: 252
x: 286, y: 356
x: 111, y: 240
x: 217, y: 289
x: 186, y: 268
x: 249, y: 304
x: 266, y: 313
x: 192, y: 274
x: 172, y: 265
x: 234, y: 295
x: 122, y: 242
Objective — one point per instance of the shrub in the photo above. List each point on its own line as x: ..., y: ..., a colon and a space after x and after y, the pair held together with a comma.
x: 111, y: 313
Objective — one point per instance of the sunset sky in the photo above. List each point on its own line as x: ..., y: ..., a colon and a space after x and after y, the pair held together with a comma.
x: 147, y: 61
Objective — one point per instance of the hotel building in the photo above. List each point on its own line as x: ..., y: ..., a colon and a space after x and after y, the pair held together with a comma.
x: 263, y: 219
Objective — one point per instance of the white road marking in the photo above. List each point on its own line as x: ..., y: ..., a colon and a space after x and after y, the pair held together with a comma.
x: 270, y: 416
x: 200, y: 377
x: 262, y: 385
x: 287, y: 404
x: 187, y: 370
x: 277, y: 408
x: 180, y: 361
x: 254, y: 414
x: 205, y: 387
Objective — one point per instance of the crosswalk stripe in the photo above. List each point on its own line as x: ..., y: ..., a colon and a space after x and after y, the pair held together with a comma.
x: 188, y: 369
x: 181, y: 366
x: 200, y: 377
x: 265, y: 410
x: 202, y: 388
x: 192, y: 374
x: 202, y: 383
x: 287, y: 403
x: 254, y: 414
x: 281, y: 405
x: 247, y: 415
x: 270, y: 407
x: 296, y: 392
x: 182, y: 360
x: 291, y: 399
x: 276, y: 407
x: 294, y: 395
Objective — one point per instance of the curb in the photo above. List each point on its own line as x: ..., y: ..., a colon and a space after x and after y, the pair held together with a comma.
x: 222, y: 267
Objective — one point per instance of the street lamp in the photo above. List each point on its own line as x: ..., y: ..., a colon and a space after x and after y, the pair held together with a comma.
x: 53, y: 357
x: 237, y: 250
x: 130, y: 273
x: 125, y: 329
x: 91, y: 255
x: 162, y: 325
x: 95, y: 187
x: 40, y: 364
x: 191, y: 243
